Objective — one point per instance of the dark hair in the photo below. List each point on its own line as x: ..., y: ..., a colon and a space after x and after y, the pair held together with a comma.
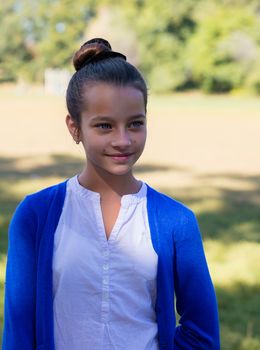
x: 96, y: 62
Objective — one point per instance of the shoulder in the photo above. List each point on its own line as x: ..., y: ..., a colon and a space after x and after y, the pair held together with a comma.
x: 46, y: 195
x: 167, y: 204
x: 171, y: 213
x: 31, y: 213
x: 37, y: 203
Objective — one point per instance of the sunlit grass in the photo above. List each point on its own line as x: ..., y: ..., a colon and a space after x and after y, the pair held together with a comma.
x: 236, y: 263
x: 23, y: 187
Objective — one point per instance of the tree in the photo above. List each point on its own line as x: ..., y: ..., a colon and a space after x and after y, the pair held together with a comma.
x: 222, y: 51
x: 111, y: 23
x: 163, y: 28
x: 13, y: 49
x: 64, y: 28
x: 44, y: 33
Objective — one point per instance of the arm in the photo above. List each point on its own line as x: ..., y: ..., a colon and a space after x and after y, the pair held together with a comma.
x: 19, y: 311
x: 195, y: 297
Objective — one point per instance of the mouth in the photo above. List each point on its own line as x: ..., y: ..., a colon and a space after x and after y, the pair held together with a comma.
x: 120, y: 157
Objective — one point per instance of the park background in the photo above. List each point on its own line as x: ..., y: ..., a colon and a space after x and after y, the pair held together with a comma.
x: 201, y: 60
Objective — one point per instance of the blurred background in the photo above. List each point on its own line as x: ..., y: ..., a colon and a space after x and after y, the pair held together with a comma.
x: 201, y: 60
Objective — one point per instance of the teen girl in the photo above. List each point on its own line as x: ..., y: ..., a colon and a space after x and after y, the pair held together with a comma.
x: 94, y: 262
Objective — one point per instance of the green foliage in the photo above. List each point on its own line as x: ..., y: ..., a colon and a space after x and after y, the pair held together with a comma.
x: 14, y: 50
x: 44, y: 34
x: 253, y: 82
x: 207, y: 44
x: 110, y: 22
x: 223, y: 48
x: 253, y: 78
x: 62, y: 32
x: 162, y: 30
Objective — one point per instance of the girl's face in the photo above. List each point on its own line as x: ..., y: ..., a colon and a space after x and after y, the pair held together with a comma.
x: 113, y: 127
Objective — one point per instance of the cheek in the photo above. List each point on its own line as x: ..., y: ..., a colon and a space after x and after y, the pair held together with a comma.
x: 94, y: 143
x: 142, y: 138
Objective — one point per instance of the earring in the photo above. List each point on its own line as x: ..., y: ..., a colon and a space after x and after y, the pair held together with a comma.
x: 76, y: 136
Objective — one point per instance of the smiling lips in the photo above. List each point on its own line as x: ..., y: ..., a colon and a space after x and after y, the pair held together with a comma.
x: 120, y: 157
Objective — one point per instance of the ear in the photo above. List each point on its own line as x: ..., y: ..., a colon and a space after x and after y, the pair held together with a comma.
x: 73, y: 128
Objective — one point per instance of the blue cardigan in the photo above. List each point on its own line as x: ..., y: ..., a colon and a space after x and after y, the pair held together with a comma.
x: 182, y: 269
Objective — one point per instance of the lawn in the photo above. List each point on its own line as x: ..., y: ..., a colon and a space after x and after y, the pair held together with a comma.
x: 203, y: 151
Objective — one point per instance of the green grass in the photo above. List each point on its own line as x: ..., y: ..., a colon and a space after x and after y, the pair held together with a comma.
x: 226, y: 204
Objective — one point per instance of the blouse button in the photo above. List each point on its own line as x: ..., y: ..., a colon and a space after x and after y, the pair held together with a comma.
x: 106, y: 296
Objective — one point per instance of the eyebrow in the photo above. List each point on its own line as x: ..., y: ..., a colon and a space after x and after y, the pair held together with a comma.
x: 109, y: 118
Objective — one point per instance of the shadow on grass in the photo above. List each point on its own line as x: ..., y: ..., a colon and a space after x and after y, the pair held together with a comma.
x: 236, y: 218
x: 59, y: 166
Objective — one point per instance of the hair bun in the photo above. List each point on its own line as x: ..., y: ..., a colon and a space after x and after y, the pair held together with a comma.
x: 92, y: 51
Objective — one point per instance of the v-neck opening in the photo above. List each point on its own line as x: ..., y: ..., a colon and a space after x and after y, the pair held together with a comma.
x: 126, y: 202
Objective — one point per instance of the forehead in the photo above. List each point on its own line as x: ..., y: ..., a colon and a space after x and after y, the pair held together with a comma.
x: 111, y: 99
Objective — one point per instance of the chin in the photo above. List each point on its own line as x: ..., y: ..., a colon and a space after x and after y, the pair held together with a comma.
x: 120, y: 171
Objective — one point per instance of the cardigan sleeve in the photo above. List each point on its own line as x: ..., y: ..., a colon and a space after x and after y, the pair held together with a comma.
x: 195, y: 296
x: 19, y: 308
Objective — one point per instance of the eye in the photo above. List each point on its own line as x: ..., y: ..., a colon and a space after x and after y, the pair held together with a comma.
x: 136, y: 124
x: 103, y: 126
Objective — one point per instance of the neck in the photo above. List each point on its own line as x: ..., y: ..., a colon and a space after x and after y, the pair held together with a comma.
x: 98, y: 180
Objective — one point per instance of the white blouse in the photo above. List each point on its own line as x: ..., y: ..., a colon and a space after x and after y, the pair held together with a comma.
x: 104, y: 291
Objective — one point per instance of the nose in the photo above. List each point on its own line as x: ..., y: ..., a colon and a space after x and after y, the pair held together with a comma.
x: 122, y: 139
